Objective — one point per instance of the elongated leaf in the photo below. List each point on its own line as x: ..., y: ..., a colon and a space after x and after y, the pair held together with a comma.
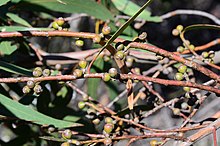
x: 21, y: 28
x: 14, y: 69
x: 18, y: 19
x: 28, y: 114
x: 89, y: 7
x: 129, y: 8
x: 93, y: 83
x: 6, y: 48
x: 3, y: 2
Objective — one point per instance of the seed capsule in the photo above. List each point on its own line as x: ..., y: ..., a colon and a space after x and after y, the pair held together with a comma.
x: 113, y: 72
x: 60, y: 21
x: 97, y: 38
x: 179, y: 76
x: 46, y: 72
x: 82, y: 64
x: 176, y: 111
x: 78, y: 73
x: 26, y: 89
x: 108, y: 120
x: 175, y: 32
x: 30, y: 84
x: 142, y: 36
x: 120, y: 55
x: 205, y: 54
x: 96, y: 121
x: 179, y: 28
x: 180, y: 49
x: 38, y: 89
x: 65, y: 144
x: 108, y: 128
x: 81, y: 104
x: 120, y: 47
x: 182, y: 68
x: 106, y: 77
x: 37, y: 72
x: 79, y: 43
x: 67, y: 134
x: 106, y: 30
x: 55, y: 25
x: 153, y: 142
x: 107, y: 141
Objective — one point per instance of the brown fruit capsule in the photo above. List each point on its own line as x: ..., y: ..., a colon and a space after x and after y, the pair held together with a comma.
x: 106, y: 30
x: 108, y: 128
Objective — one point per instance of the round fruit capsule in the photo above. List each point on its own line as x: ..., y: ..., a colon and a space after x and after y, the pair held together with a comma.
x: 66, y: 134
x: 108, y: 120
x: 37, y: 72
x: 120, y: 47
x: 184, y: 105
x: 108, y: 128
x: 120, y: 55
x: 191, y: 47
x: 176, y: 111
x: 106, y: 77
x: 60, y: 21
x: 113, y: 72
x: 175, y: 32
x: 106, y: 30
x: 58, y: 67
x: 179, y: 28
x: 211, y: 54
x: 179, y: 76
x: 65, y: 144
x: 78, y: 73
x: 82, y: 64
x: 26, y: 89
x: 38, y: 89
x: 153, y: 142
x: 96, y: 121
x: 81, y: 104
x: 55, y: 25
x: 46, y: 72
x: 97, y: 38
x: 79, y: 43
x: 107, y: 141
x: 205, y: 54
x: 187, y: 89
x: 180, y: 49
x: 182, y: 68
x: 142, y: 36
x: 30, y: 84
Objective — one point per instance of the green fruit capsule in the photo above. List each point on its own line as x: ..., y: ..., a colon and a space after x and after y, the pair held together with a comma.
x: 30, y: 84
x: 82, y: 64
x: 55, y: 25
x: 96, y: 121
x: 37, y: 72
x: 107, y: 141
x: 182, y: 68
x: 79, y: 43
x: 60, y: 21
x: 65, y: 144
x: 120, y: 55
x: 187, y: 89
x: 106, y: 30
x: 46, y: 72
x: 81, y: 104
x: 191, y: 47
x: 176, y: 111
x: 108, y: 128
x: 175, y: 32
x: 66, y: 134
x: 78, y: 73
x: 113, y: 72
x: 26, y: 90
x: 179, y: 28
x: 108, y: 120
x: 211, y: 54
x: 142, y: 36
x: 180, y: 49
x: 179, y: 76
x: 120, y: 47
x: 38, y: 89
x: 106, y: 77
x: 205, y: 54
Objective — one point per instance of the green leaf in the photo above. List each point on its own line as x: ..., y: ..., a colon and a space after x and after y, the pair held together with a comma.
x: 63, y: 91
x: 129, y: 8
x: 6, y: 48
x: 3, y: 2
x: 14, y: 69
x: 93, y: 83
x: 112, y: 89
x: 21, y: 28
x: 18, y: 19
x: 89, y: 7
x: 28, y: 114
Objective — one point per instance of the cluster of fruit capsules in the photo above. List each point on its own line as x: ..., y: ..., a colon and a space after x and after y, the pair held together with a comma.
x: 37, y: 72
x: 208, y: 56
x: 58, y: 23
x: 177, y: 30
x: 180, y: 49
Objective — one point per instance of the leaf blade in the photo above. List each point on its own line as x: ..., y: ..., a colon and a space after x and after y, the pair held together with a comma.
x: 18, y: 19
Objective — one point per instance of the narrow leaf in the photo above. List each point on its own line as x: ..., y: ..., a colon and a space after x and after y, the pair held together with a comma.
x: 21, y: 28
x: 28, y: 114
x: 18, y: 19
x: 14, y: 69
x: 3, y: 2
